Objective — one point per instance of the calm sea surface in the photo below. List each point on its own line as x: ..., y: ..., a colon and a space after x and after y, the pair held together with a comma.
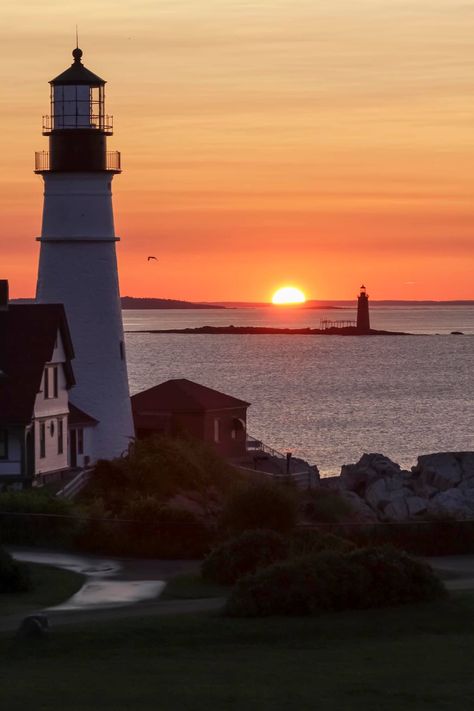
x: 328, y: 398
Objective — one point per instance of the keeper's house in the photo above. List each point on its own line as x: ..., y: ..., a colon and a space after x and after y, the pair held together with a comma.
x: 182, y: 406
x: 42, y: 434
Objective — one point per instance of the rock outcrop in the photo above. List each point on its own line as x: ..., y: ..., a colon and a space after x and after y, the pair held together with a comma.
x: 439, y: 485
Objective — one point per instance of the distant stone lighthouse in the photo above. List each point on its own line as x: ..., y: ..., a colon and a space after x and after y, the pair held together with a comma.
x: 363, y: 318
x: 78, y: 265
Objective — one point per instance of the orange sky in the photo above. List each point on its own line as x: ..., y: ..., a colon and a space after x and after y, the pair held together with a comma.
x: 276, y: 141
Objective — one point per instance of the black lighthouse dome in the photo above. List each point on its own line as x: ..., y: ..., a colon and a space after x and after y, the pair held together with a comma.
x: 78, y: 125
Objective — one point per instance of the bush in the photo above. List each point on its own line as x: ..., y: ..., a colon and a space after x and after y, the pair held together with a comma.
x: 36, y: 517
x: 242, y: 555
x: 260, y: 505
x: 307, y: 541
x: 14, y: 577
x: 161, y: 467
x: 147, y: 529
x: 326, y: 506
x: 334, y: 581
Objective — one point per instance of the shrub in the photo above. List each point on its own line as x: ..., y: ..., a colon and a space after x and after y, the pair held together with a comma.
x: 36, y: 517
x: 307, y: 541
x: 161, y: 467
x: 326, y: 506
x: 147, y: 529
x: 242, y: 555
x: 14, y: 577
x: 334, y: 581
x: 260, y: 505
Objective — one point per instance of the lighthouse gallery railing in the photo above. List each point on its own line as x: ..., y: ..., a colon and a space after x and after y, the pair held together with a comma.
x: 113, y: 161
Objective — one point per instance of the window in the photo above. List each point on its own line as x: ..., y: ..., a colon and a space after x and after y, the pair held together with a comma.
x: 51, y: 382
x: 80, y: 441
x: 42, y: 440
x: 55, y: 381
x: 46, y: 384
x: 216, y: 430
x: 3, y: 444
x: 60, y: 436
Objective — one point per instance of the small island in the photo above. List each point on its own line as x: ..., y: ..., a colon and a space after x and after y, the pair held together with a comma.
x: 268, y: 330
x: 132, y: 302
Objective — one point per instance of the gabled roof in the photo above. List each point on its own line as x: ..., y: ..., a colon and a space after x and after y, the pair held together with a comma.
x: 79, y: 418
x: 182, y: 395
x: 27, y: 337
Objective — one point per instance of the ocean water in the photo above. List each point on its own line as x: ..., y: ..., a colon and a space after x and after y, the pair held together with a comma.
x: 326, y: 398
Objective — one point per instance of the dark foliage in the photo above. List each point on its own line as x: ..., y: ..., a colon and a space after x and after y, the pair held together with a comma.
x: 367, y: 578
x: 14, y: 576
x: 326, y: 506
x: 148, y: 529
x: 430, y: 538
x: 36, y: 518
x: 242, y: 555
x: 308, y: 541
x: 260, y: 505
x: 161, y: 467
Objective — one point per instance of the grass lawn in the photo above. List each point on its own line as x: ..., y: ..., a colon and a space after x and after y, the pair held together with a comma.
x: 192, y: 587
x: 50, y: 587
x: 406, y: 659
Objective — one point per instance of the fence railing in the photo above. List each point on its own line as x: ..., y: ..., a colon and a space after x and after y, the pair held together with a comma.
x: 41, y: 161
x: 302, y: 480
x: 254, y: 444
x: 74, y: 486
x: 113, y: 161
x: 85, y: 121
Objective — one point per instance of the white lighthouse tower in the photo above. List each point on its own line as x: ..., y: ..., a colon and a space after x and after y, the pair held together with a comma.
x: 78, y: 265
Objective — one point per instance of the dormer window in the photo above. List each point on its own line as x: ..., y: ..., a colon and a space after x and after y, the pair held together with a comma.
x: 51, y: 382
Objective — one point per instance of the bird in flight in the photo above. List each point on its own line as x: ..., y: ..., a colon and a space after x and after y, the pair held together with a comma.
x: 152, y: 258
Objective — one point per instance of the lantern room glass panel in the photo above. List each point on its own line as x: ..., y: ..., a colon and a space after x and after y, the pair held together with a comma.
x: 77, y: 106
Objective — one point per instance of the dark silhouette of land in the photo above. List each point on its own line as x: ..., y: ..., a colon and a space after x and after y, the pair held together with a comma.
x: 132, y: 302
x: 264, y: 330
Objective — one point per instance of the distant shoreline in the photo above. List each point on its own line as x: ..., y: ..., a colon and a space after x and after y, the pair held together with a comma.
x: 263, y: 331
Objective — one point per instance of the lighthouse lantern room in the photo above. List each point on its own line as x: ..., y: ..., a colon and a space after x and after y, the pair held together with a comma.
x: 78, y: 265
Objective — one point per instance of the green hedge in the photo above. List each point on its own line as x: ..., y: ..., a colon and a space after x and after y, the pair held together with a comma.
x: 372, y: 577
x: 36, y: 518
x: 260, y: 505
x: 242, y: 555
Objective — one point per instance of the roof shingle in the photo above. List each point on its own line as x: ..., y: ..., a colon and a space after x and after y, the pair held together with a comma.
x: 182, y: 395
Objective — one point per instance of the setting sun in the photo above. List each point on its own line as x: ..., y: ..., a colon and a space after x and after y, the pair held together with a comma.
x: 288, y: 295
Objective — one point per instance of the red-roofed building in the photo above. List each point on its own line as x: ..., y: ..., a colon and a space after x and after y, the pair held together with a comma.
x: 182, y: 406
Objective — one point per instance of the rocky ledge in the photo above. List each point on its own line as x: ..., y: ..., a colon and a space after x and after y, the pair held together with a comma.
x: 439, y: 485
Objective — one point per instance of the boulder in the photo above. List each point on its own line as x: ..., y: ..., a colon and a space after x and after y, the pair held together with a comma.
x: 370, y: 467
x: 467, y: 464
x: 385, y: 490
x: 378, y: 495
x: 416, y: 505
x: 441, y: 470
x: 361, y: 511
x: 452, y: 502
x: 467, y: 486
x: 397, y: 509
x: 425, y: 491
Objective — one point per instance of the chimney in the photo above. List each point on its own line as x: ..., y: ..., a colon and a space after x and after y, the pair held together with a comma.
x: 3, y: 294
